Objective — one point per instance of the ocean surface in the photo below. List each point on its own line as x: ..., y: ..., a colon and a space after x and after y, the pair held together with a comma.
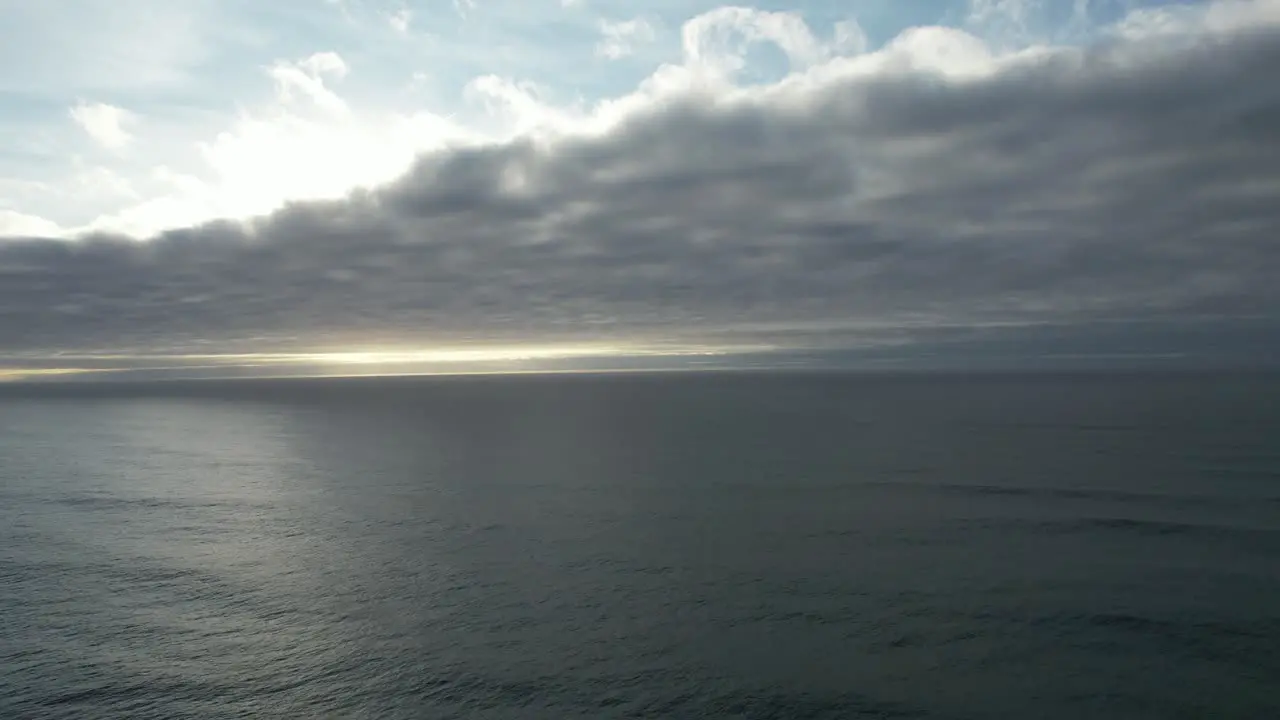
x: 739, y: 545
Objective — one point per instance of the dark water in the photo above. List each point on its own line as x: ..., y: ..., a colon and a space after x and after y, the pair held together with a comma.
x: 751, y: 546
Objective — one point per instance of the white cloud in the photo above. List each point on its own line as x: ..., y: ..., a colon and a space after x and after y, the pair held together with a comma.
x: 307, y: 78
x: 1222, y: 16
x: 715, y: 43
x: 106, y: 124
x: 519, y: 107
x: 1007, y: 25
x: 16, y: 224
x: 850, y: 38
x: 400, y: 20
x: 1014, y: 13
x: 103, y: 182
x: 620, y: 38
x: 325, y: 63
x: 284, y: 151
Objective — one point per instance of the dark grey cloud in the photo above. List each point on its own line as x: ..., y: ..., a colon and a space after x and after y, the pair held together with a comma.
x: 1134, y: 178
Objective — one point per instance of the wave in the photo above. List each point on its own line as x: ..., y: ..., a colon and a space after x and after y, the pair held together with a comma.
x: 1245, y: 640
x: 637, y: 696
x: 1079, y: 493
x: 114, y: 502
x: 1130, y: 526
x: 1248, y: 643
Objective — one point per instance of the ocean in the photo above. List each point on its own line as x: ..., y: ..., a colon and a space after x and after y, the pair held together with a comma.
x: 680, y: 545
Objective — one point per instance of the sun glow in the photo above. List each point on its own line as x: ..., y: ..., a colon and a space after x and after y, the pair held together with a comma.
x: 17, y: 374
x: 463, y: 355
x: 367, y: 361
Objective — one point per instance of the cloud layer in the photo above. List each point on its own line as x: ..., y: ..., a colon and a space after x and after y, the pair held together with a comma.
x: 931, y: 181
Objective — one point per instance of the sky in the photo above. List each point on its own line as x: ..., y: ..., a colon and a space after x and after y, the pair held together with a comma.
x: 364, y: 182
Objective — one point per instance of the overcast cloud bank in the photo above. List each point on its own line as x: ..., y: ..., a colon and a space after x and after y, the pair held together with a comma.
x: 928, y: 182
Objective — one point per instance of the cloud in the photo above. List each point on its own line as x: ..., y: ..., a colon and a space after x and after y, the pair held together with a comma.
x: 717, y: 40
x: 18, y: 224
x: 105, y: 124
x: 306, y: 78
x: 324, y: 63
x: 1225, y: 16
x: 306, y: 142
x: 97, y: 181
x: 400, y: 20
x: 620, y: 38
x: 1007, y: 20
x: 932, y: 182
x: 519, y: 105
